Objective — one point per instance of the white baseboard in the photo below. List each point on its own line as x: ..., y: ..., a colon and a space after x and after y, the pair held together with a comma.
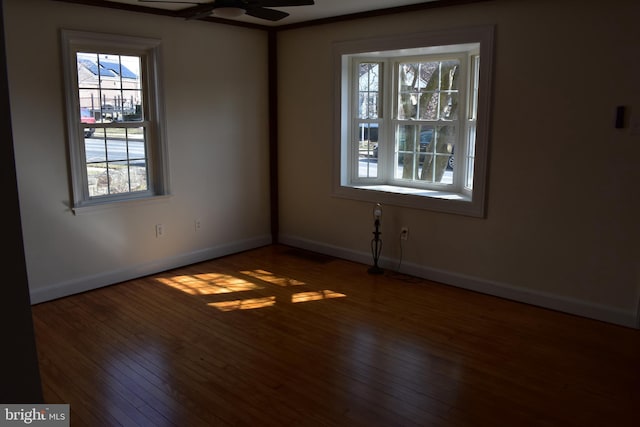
x: 83, y: 284
x: 502, y: 290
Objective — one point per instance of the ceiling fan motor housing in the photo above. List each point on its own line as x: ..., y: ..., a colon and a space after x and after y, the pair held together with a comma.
x: 230, y: 9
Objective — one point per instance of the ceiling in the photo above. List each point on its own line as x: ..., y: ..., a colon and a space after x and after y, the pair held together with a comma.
x: 321, y: 10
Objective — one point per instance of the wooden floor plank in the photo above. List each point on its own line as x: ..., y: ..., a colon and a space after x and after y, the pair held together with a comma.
x: 279, y: 336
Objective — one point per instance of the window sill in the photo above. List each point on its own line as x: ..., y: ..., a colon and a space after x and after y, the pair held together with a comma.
x: 432, y: 200
x: 99, y: 207
x: 415, y: 191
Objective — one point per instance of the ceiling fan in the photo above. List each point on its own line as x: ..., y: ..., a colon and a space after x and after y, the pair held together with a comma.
x: 234, y: 8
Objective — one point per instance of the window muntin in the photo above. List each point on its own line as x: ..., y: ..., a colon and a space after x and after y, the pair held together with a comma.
x: 114, y: 112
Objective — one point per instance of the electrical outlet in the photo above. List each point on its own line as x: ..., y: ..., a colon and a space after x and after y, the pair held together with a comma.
x: 197, y: 224
x: 159, y: 230
x: 404, y: 233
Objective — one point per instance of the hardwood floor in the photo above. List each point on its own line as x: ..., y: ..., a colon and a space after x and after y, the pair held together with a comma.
x: 282, y: 337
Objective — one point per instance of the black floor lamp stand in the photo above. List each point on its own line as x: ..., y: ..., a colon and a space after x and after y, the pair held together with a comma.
x: 376, y: 242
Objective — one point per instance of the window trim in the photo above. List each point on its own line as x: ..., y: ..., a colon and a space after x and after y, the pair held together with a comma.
x: 442, y: 201
x: 149, y: 50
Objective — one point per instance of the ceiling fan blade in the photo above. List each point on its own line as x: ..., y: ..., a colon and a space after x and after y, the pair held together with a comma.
x: 255, y: 8
x: 285, y: 3
x: 199, y: 11
x: 268, y: 14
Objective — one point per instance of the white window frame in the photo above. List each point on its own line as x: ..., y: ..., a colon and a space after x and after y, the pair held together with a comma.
x: 156, y: 151
x: 462, y: 198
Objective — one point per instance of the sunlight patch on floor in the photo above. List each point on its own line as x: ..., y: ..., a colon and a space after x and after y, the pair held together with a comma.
x: 244, y: 304
x: 218, y: 284
x: 315, y: 296
x: 209, y: 284
x: 269, y: 277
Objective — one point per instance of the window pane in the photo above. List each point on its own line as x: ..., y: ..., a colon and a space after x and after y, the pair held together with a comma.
x: 369, y: 105
x: 470, y: 155
x: 408, y: 105
x: 116, y: 161
x: 449, y: 73
x: 471, y: 140
x: 407, y: 145
x: 416, y: 89
x: 367, y: 167
x: 110, y: 85
x: 109, y: 66
x: 369, y: 76
x: 116, y: 145
x: 426, y: 138
x: 437, y: 165
x: 137, y: 158
x: 411, y: 138
x: 109, y: 101
x: 448, y: 89
x: 445, y: 139
x: 428, y: 90
x: 367, y: 147
x: 97, y: 179
x: 408, y: 95
x: 471, y: 131
x: 118, y: 177
x: 90, y: 100
x: 138, y: 176
x: 88, y: 70
x: 97, y: 174
x: 405, y: 165
x: 368, y: 132
x: 475, y: 81
x: 469, y: 174
x: 429, y: 102
x: 87, y: 120
x: 136, y: 144
x: 95, y: 149
x: 424, y: 152
x: 448, y: 105
x: 130, y: 72
x: 131, y: 105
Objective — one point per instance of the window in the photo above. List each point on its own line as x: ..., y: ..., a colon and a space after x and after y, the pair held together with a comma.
x: 114, y: 118
x: 412, y: 120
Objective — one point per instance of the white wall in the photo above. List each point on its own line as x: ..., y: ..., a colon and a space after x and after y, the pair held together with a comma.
x: 215, y: 80
x: 562, y: 227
